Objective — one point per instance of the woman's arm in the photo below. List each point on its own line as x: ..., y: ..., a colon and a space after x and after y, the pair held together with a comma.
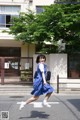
x: 41, y: 67
x: 44, y: 78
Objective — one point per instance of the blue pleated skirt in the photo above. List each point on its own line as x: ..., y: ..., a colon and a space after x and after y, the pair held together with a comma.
x: 39, y: 88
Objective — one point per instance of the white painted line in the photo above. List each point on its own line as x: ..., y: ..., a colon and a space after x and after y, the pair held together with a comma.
x: 53, y: 102
x: 19, y: 102
x: 39, y: 104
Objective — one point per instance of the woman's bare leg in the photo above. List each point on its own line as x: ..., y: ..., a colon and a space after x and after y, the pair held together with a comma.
x: 47, y: 96
x: 34, y: 98
x: 46, y: 99
x: 23, y: 103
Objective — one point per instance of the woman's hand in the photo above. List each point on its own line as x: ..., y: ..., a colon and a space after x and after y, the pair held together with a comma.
x: 45, y: 82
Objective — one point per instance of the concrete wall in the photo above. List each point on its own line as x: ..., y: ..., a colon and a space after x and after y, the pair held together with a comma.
x: 57, y: 64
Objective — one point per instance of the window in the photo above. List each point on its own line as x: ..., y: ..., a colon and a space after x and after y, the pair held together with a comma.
x: 39, y: 9
x: 6, y: 20
x: 7, y: 13
x: 30, y: 2
x: 9, y: 9
x: 10, y: 51
x: 74, y: 65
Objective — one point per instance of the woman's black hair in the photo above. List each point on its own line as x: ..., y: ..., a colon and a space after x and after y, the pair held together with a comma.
x: 40, y: 56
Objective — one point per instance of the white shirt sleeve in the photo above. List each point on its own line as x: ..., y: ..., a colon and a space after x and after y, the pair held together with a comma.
x: 41, y: 67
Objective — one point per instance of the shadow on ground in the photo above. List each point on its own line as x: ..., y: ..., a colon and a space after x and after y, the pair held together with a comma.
x: 16, y: 96
x: 75, y: 103
x: 37, y: 114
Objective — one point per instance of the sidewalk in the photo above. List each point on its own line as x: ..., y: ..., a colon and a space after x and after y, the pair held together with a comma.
x: 24, y: 90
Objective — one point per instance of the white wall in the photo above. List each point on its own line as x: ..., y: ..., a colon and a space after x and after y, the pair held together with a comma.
x: 43, y: 2
x: 57, y: 64
x: 12, y: 1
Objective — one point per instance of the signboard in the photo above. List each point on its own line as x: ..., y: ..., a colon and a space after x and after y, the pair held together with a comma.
x: 6, y: 65
x: 26, y: 66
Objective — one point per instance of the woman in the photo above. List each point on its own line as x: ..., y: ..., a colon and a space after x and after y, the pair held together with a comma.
x: 40, y: 85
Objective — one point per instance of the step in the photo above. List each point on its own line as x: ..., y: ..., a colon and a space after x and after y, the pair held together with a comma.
x: 15, y: 89
x: 70, y: 91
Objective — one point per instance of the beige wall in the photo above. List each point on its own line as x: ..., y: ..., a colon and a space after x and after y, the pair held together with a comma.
x: 31, y: 50
x: 10, y: 43
x: 27, y: 50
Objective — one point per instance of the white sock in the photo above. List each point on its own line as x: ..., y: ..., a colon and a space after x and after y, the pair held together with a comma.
x: 22, y: 105
x: 46, y: 103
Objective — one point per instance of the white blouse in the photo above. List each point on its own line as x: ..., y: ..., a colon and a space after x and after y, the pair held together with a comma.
x: 41, y: 67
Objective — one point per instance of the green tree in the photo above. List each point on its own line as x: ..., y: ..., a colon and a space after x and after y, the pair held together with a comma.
x: 23, y: 27
x: 67, y: 1
x: 29, y: 28
x: 57, y: 22
x: 62, y: 22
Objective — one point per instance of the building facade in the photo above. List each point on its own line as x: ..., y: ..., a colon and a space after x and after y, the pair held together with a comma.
x: 17, y: 59
x: 9, y: 47
x: 11, y: 8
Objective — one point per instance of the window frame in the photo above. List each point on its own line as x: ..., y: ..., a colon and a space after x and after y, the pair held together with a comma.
x: 7, y: 14
x: 41, y: 8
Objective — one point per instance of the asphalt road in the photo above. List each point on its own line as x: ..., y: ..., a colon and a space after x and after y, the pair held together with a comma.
x: 63, y: 107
